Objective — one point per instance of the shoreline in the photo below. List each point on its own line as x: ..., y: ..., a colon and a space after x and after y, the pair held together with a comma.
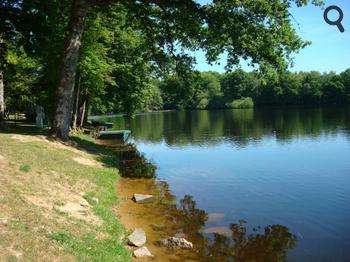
x: 97, y: 200
x: 58, y: 199
x: 152, y: 217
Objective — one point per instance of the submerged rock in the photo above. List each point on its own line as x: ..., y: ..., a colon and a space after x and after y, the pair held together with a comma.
x: 176, y: 242
x: 139, y: 198
x: 157, y: 227
x: 137, y: 238
x: 180, y: 234
x: 142, y: 252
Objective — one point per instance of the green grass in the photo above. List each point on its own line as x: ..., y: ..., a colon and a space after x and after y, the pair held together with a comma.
x: 88, y: 247
x: 37, y: 158
x: 25, y: 168
x: 62, y: 238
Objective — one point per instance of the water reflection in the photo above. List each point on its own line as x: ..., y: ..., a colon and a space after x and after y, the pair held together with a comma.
x: 271, y: 243
x: 132, y: 163
x: 237, y: 126
x: 291, y: 170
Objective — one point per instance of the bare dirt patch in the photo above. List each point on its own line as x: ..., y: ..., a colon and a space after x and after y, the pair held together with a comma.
x: 87, y: 162
x: 73, y: 205
x: 25, y: 139
x: 82, y: 157
x: 52, y: 194
x: 70, y: 146
x: 49, y: 208
x: 14, y: 253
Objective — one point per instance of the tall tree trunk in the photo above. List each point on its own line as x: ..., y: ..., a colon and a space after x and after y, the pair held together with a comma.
x: 2, y: 100
x: 76, y: 105
x: 83, y: 111
x: 69, y: 60
x: 86, y: 115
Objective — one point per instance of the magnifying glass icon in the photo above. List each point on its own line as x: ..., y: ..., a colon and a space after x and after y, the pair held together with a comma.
x: 336, y: 22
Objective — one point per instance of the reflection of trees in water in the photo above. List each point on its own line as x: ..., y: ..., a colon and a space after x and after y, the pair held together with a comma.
x: 132, y: 163
x: 270, y: 244
x: 238, y: 126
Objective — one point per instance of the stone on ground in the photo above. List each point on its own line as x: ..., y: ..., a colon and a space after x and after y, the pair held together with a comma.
x: 180, y: 234
x: 176, y: 242
x: 139, y: 198
x: 137, y: 238
x: 142, y: 252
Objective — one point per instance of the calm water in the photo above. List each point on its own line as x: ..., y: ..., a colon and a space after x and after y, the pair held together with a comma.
x: 285, y: 167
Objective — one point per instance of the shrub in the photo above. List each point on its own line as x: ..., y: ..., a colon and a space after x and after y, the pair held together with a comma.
x: 203, y: 103
x: 244, y: 102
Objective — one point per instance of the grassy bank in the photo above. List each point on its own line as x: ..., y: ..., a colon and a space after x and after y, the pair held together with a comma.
x: 57, y: 200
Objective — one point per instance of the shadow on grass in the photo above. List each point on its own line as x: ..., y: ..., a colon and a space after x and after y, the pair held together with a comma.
x: 105, y: 155
x: 22, y: 128
x: 81, y: 142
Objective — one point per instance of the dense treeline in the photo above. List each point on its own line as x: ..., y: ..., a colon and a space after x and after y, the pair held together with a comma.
x: 76, y: 57
x: 108, y: 77
x: 240, y: 89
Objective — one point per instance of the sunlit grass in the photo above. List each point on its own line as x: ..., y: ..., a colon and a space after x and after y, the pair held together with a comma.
x: 35, y: 166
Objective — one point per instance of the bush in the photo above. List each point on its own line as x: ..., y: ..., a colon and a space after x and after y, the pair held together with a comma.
x: 203, y: 103
x: 244, y: 102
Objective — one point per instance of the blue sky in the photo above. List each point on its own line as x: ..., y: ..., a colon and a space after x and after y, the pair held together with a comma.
x: 329, y: 51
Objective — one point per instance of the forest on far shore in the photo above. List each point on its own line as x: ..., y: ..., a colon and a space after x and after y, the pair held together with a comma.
x: 202, y: 90
x: 82, y: 57
x: 240, y: 89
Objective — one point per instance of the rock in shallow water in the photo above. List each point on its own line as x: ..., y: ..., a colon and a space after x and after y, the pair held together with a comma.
x: 137, y: 238
x: 180, y: 234
x: 157, y: 227
x: 175, y: 242
x: 142, y: 252
x: 139, y: 198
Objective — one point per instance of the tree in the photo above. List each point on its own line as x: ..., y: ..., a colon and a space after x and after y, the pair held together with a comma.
x: 33, y: 32
x: 95, y: 67
x: 346, y: 82
x: 311, y: 91
x: 64, y: 92
x: 23, y: 73
x: 2, y: 100
x: 333, y: 89
x: 5, y: 33
x: 290, y: 84
x: 210, y: 83
x: 209, y: 90
x: 261, y: 31
x: 235, y: 85
x: 179, y: 90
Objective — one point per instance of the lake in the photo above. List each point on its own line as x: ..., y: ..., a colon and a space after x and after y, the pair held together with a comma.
x: 274, y: 180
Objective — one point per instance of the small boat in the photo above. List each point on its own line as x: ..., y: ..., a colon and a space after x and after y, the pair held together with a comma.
x: 101, y: 124
x: 117, y: 134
